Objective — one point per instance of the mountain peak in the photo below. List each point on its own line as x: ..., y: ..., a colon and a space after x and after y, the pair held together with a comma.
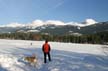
x: 89, y: 22
x: 35, y: 23
x: 54, y: 22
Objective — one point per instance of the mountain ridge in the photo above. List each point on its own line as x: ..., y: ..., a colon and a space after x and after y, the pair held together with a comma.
x: 58, y: 29
x: 38, y: 23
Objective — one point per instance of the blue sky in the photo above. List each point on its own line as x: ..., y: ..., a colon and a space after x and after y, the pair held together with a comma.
x: 24, y: 11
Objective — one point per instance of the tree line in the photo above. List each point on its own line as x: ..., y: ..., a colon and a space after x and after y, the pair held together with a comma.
x: 98, y: 38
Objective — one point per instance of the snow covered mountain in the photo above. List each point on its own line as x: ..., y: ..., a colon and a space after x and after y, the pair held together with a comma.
x: 83, y: 24
x: 56, y: 27
x: 38, y: 23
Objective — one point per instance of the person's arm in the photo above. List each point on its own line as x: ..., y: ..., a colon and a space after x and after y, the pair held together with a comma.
x: 43, y: 48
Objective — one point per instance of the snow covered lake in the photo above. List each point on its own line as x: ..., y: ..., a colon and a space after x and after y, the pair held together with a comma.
x: 65, y: 56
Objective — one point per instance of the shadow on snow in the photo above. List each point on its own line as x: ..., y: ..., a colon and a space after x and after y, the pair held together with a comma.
x: 2, y: 69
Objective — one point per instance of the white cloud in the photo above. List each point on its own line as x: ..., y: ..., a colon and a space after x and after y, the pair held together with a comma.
x: 14, y: 24
x: 58, y: 5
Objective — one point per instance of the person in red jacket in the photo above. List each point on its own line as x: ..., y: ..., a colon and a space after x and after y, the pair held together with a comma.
x: 46, y: 50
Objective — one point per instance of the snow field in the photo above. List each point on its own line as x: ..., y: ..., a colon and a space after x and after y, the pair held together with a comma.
x: 65, y: 56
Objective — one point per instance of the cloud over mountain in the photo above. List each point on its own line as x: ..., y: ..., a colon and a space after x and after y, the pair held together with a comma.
x: 14, y: 24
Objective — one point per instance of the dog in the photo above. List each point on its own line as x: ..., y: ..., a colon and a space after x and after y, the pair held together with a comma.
x: 31, y: 59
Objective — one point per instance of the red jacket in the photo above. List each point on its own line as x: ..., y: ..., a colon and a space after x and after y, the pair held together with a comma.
x: 46, y: 48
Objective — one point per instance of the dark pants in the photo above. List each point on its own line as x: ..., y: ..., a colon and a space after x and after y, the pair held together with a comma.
x: 45, y: 57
